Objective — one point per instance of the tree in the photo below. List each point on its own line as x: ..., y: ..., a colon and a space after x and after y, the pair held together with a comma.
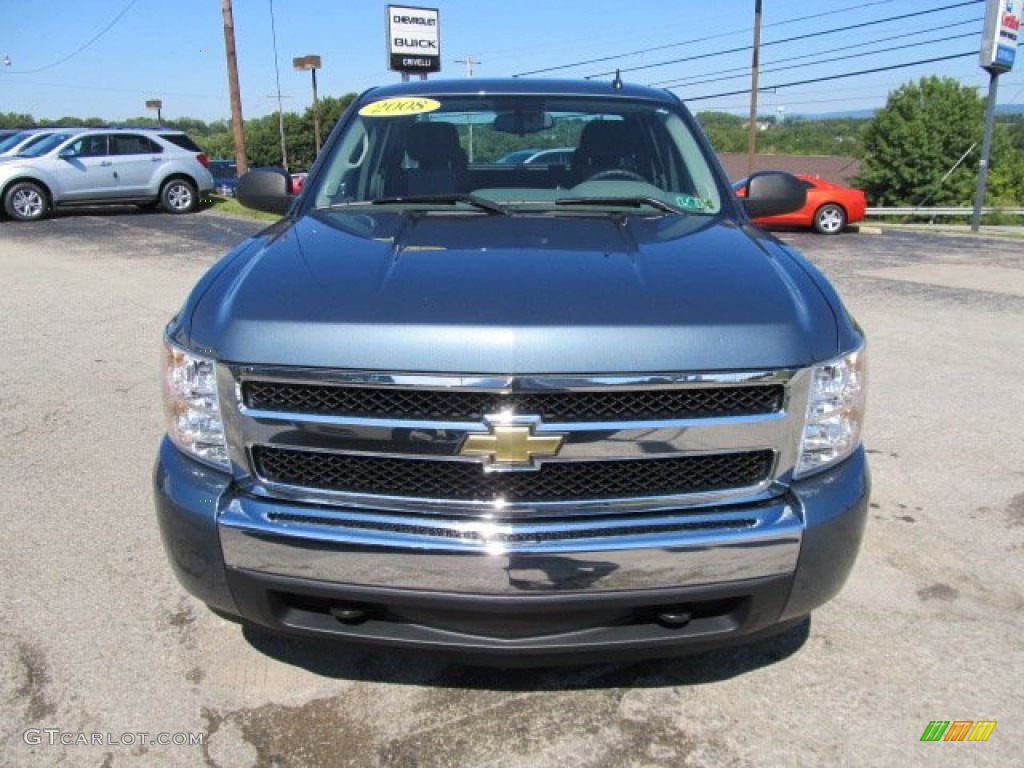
x: 920, y: 134
x: 16, y: 120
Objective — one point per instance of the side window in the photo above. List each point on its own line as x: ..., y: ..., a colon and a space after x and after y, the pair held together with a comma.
x: 89, y: 146
x: 133, y: 144
x: 349, y: 175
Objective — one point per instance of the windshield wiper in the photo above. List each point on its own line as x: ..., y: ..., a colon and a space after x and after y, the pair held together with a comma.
x: 480, y: 203
x: 636, y: 201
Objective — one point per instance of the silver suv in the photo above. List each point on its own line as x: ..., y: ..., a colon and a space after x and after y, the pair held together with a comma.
x: 105, y: 165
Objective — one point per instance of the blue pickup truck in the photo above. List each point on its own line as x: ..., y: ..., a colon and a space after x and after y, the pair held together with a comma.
x: 515, y: 413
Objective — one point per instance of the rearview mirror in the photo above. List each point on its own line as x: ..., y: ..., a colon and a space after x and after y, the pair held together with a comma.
x: 522, y: 122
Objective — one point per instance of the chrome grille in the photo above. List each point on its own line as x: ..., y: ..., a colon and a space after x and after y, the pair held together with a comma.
x: 462, y: 405
x: 466, y: 481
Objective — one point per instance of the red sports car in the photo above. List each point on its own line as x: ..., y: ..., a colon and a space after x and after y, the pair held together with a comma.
x: 829, y: 207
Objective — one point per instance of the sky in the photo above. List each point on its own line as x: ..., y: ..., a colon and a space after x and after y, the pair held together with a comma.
x: 106, y: 58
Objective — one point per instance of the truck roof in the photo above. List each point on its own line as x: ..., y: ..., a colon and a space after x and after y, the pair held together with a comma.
x: 515, y: 85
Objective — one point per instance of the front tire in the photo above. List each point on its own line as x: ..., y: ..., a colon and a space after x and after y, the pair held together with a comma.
x: 830, y: 219
x: 179, y: 196
x: 26, y: 201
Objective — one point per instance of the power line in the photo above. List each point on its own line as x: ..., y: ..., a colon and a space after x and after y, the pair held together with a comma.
x: 847, y: 97
x: 699, y: 39
x: 695, y: 79
x: 828, y: 60
x: 836, y: 77
x: 821, y: 33
x: 82, y: 47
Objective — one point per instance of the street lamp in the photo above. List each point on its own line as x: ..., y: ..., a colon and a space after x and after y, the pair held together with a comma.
x: 312, y: 63
x: 7, y: 61
x: 158, y: 105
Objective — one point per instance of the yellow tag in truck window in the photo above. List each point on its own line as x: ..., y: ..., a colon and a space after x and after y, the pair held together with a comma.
x: 399, y: 106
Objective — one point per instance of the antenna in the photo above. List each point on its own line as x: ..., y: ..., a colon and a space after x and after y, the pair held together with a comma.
x: 617, y: 82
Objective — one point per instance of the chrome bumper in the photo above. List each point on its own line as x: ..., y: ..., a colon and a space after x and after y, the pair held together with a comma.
x: 360, y: 548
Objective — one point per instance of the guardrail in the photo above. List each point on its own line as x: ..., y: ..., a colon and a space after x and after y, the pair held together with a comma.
x: 942, y: 211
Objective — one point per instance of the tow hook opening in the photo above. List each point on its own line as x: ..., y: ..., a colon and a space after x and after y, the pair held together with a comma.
x: 675, y: 618
x: 348, y: 614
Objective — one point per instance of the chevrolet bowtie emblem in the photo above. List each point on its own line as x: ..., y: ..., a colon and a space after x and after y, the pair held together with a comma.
x: 509, y: 445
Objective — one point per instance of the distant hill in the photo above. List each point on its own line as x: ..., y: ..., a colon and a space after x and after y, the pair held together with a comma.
x: 867, y: 114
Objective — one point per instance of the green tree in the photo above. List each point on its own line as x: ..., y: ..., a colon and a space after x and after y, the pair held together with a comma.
x: 331, y: 109
x: 15, y: 120
x: 919, y: 135
x: 725, y: 132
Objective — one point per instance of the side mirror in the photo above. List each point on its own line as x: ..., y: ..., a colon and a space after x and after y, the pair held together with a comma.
x: 770, y: 193
x: 265, y: 190
x: 67, y: 154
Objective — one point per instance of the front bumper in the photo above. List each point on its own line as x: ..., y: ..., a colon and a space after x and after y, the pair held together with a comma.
x: 508, y: 592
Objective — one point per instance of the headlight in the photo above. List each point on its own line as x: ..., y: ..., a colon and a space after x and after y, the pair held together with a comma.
x: 835, y: 413
x: 191, y: 408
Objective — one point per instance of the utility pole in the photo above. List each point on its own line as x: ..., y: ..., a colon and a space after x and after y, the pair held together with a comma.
x: 277, y: 78
x: 468, y: 61
x: 237, y: 126
x: 755, y: 66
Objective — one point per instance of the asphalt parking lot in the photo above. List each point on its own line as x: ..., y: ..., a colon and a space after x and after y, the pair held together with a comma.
x: 98, y: 638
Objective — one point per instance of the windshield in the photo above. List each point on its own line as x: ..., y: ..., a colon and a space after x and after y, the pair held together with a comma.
x: 523, y: 152
x: 44, y: 145
x: 14, y: 140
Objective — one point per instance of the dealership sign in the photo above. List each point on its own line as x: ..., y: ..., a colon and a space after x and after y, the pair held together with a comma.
x: 414, y: 39
x: 999, y: 40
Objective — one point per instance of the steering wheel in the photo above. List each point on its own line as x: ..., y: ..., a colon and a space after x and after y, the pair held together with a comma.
x: 612, y: 173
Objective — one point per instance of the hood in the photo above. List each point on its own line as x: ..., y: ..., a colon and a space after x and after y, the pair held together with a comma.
x: 532, y: 293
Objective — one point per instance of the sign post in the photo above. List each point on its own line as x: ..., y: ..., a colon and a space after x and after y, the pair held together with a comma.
x: 998, y: 50
x: 158, y: 105
x: 414, y: 40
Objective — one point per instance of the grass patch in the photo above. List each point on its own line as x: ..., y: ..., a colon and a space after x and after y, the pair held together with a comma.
x: 229, y: 206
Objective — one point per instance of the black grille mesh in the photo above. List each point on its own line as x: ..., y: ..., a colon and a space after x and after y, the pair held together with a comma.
x: 434, y: 405
x: 565, y: 481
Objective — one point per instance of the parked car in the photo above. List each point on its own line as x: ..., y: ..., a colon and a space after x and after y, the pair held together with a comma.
x: 225, y: 177
x: 7, y: 133
x: 103, y: 166
x: 829, y: 208
x: 514, y: 414
x: 518, y: 157
x: 557, y: 156
x: 298, y: 180
x: 22, y: 140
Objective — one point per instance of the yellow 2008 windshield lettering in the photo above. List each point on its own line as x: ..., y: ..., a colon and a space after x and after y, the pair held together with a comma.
x: 399, y: 106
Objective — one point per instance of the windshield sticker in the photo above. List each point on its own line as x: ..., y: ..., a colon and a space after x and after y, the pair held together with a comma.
x: 399, y: 106
x: 690, y: 203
